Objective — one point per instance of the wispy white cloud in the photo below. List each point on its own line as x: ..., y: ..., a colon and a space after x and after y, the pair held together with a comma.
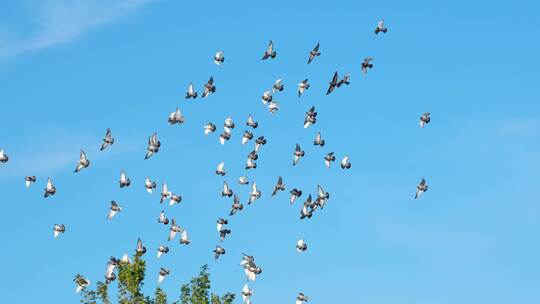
x: 61, y: 21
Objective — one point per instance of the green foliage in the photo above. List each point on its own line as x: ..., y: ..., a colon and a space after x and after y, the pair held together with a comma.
x: 131, y: 280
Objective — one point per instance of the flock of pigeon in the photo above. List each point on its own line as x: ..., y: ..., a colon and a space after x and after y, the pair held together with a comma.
x: 309, y: 206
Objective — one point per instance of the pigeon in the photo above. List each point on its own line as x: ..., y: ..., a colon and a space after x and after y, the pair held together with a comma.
x: 28, y: 180
x: 301, y: 298
x: 425, y: 119
x: 165, y: 193
x: 125, y: 259
x: 236, y: 206
x: 295, y: 193
x: 58, y: 229
x: 218, y: 251
x: 250, y: 164
x: 162, y: 219
x: 251, y: 123
x: 345, y: 164
x: 253, y: 155
x: 113, y: 210
x: 247, y: 260
x: 162, y: 250
x: 254, y: 194
x: 50, y: 189
x: 220, y: 222
x: 227, y: 191
x: 421, y: 188
x: 302, y: 86
x: 225, y: 136
x: 153, y: 146
x: 311, y: 117
x: 220, y: 170
x: 329, y: 158
x: 209, y: 128
x: 380, y: 27
x: 4, y: 158
x: 162, y: 274
x: 273, y: 107
x: 124, y: 180
x: 107, y: 141
x: 223, y: 233
x: 298, y: 153
x: 140, y: 248
x: 280, y: 186
x: 219, y: 58
x: 266, y: 97
x: 184, y: 238
x: 191, y: 92
x: 173, y: 230
x: 176, y: 117
x: 346, y: 80
x: 83, y: 162
x: 305, y: 212
x: 322, y: 196
x: 252, y: 271
x: 318, y: 140
x: 246, y: 294
x: 149, y: 185
x: 301, y: 245
x: 109, y: 273
x: 260, y: 141
x: 278, y: 85
x: 313, y: 53
x: 269, y: 51
x: 367, y: 65
x: 175, y: 199
x: 81, y: 282
x: 246, y: 137
x: 228, y: 125
x: 209, y: 87
x: 333, y: 83
x: 243, y: 180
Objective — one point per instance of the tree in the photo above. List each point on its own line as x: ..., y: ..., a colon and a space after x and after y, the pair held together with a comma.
x: 131, y: 280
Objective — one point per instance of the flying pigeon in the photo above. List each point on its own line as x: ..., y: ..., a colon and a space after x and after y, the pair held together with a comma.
x: 4, y: 158
x: 162, y: 219
x: 254, y: 194
x: 269, y: 51
x: 301, y: 298
x: 176, y: 117
x: 28, y: 180
x: 311, y: 117
x: 367, y: 65
x: 109, y: 273
x: 313, y: 53
x: 280, y: 186
x: 302, y: 86
x: 246, y: 294
x: 209, y: 128
x: 266, y: 97
x: 162, y: 274
x: 305, y: 212
x: 153, y: 146
x: 246, y: 137
x: 329, y: 158
x: 175, y: 199
x: 173, y: 230
x: 219, y: 57
x: 298, y: 153
x: 278, y: 86
x: 220, y: 170
x: 260, y: 141
x: 228, y: 125
x: 50, y: 189
x: 243, y: 180
x: 218, y: 251
x: 421, y: 188
x: 209, y: 87
x: 333, y: 83
x: 81, y: 282
x: 149, y: 185
x: 250, y: 164
x: 58, y: 229
x: 318, y: 140
x: 345, y: 164
x: 223, y: 233
x: 322, y: 196
x: 225, y: 136
x: 425, y: 119
x: 125, y: 259
x: 107, y: 141
x: 191, y: 92
x: 140, y: 248
x: 253, y: 155
x: 301, y: 245
x: 165, y: 193
x: 184, y: 238
x: 227, y: 191
x: 124, y: 180
x: 113, y: 210
x: 380, y: 27
x: 273, y: 107
x: 220, y: 222
x: 162, y: 250
x: 83, y: 162
x: 295, y: 193
x: 251, y: 123
x: 236, y: 206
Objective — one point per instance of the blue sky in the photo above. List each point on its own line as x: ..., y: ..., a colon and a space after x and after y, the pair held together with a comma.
x: 70, y: 69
